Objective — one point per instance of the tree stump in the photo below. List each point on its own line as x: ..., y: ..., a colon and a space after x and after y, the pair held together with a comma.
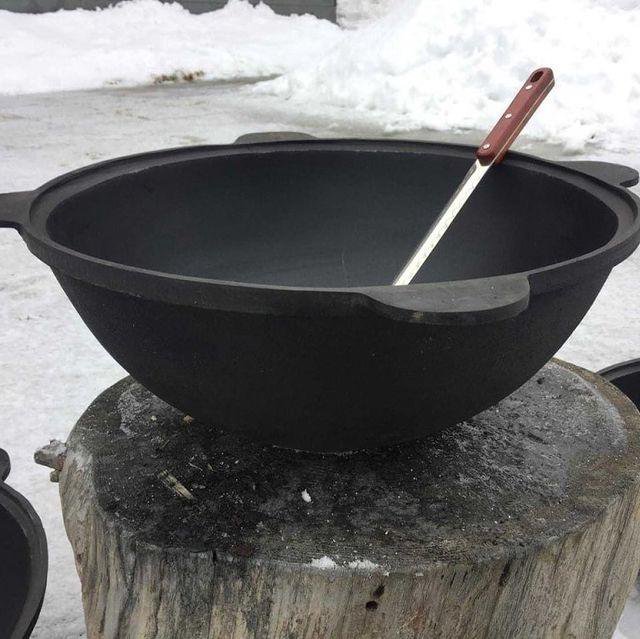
x: 522, y: 522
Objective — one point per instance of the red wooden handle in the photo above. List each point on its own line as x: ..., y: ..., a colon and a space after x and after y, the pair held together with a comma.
x: 527, y: 100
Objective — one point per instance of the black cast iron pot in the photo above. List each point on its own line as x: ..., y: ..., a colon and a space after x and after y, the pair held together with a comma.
x: 248, y: 284
x: 23, y: 560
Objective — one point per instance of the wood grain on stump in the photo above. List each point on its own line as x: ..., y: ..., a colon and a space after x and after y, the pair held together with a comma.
x: 522, y: 522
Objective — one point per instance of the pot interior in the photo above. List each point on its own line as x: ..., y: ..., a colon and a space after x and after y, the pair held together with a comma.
x: 329, y: 218
x: 627, y: 378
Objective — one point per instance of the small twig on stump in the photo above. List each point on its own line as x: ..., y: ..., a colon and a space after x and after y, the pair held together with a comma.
x: 174, y: 485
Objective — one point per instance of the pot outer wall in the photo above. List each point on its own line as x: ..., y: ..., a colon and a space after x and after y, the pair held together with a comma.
x: 327, y: 383
x: 23, y: 560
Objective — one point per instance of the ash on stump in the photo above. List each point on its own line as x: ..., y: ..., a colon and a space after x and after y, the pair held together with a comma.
x: 522, y: 522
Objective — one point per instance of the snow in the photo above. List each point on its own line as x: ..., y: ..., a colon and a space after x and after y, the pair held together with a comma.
x: 363, y: 564
x: 396, y: 66
x: 325, y: 563
x: 353, y: 13
x: 444, y: 65
x: 141, y: 41
x: 629, y: 625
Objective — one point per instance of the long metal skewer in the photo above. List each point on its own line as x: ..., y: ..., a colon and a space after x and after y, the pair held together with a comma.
x: 490, y: 152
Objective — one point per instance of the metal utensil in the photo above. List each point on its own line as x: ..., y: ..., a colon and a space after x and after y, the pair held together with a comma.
x: 490, y: 152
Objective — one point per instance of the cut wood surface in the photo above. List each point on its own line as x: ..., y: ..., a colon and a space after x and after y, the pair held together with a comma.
x: 521, y: 522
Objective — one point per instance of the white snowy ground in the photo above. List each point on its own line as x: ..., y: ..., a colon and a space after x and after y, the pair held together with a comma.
x: 400, y: 66
x: 51, y: 367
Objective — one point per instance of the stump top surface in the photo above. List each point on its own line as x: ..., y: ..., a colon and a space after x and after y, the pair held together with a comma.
x: 537, y: 466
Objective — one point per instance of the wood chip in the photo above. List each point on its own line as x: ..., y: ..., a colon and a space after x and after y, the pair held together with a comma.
x: 174, y: 485
x: 52, y: 455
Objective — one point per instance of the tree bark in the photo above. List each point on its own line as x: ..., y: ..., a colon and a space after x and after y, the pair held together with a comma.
x: 522, y: 522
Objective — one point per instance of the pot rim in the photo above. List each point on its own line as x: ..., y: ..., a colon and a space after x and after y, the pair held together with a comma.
x: 472, y: 301
x: 621, y: 369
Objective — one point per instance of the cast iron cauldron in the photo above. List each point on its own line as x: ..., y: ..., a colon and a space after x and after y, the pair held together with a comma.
x: 626, y: 376
x: 248, y: 284
x: 23, y: 560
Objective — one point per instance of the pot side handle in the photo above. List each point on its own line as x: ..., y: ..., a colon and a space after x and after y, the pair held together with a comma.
x: 273, y: 136
x: 479, y: 301
x: 14, y: 209
x: 616, y: 174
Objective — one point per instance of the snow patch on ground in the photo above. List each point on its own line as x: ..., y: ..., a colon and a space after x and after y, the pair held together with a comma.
x: 629, y: 625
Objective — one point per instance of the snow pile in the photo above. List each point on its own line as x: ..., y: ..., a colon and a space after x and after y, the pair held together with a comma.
x: 450, y: 65
x: 142, y: 41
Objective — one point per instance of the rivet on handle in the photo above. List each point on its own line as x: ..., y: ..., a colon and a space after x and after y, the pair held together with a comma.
x: 523, y: 106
